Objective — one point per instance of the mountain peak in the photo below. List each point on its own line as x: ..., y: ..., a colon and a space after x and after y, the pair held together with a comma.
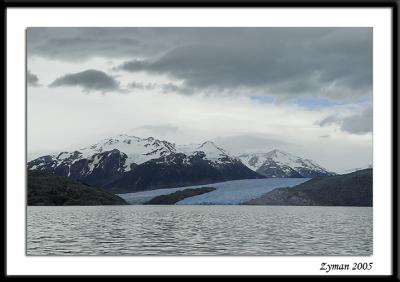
x: 208, y: 143
x: 277, y: 163
x: 277, y: 152
x: 210, y: 147
x: 138, y: 150
x: 124, y: 136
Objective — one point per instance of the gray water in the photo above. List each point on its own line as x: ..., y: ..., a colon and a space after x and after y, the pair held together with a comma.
x: 199, y: 230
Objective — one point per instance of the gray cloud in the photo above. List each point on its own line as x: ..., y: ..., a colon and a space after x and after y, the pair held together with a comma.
x: 72, y: 44
x: 32, y: 79
x: 163, y: 87
x: 334, y: 63
x: 332, y: 119
x: 134, y: 65
x: 170, y: 87
x: 142, y: 86
x: 285, y: 62
x: 360, y: 123
x: 89, y: 80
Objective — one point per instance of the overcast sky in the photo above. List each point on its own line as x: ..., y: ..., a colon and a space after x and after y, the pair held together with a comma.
x: 304, y: 90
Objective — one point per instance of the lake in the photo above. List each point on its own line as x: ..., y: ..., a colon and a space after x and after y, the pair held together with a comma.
x: 199, y: 230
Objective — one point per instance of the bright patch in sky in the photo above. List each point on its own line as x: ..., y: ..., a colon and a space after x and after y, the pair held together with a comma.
x: 263, y: 99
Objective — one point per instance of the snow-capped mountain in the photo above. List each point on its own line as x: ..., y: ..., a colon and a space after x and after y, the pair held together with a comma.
x: 94, y: 170
x: 125, y: 163
x: 138, y: 150
x: 216, y: 155
x: 179, y: 169
x: 130, y: 162
x: 277, y: 163
x: 132, y: 150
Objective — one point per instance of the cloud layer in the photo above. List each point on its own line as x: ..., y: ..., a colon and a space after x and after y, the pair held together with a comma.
x: 89, y: 80
x: 359, y: 123
x: 76, y: 44
x: 336, y: 65
x: 287, y: 63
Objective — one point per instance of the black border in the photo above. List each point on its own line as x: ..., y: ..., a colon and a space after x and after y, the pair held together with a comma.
x: 393, y: 5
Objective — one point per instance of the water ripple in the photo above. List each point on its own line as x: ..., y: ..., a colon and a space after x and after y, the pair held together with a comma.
x: 199, y: 230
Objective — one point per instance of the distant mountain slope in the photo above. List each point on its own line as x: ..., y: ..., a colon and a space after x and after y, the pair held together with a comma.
x: 180, y: 170
x: 356, y: 169
x: 353, y: 189
x: 242, y: 144
x: 103, y: 160
x: 51, y: 190
x: 277, y: 163
x: 95, y: 170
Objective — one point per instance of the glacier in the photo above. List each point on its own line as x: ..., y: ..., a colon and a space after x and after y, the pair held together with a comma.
x: 227, y: 193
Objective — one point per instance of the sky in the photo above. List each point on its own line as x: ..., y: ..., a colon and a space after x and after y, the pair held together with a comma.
x: 307, y: 91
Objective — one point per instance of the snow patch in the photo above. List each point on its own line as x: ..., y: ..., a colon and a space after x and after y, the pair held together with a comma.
x: 283, y: 159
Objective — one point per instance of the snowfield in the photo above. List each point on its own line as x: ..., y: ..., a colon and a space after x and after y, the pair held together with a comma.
x: 226, y: 193
x: 257, y: 160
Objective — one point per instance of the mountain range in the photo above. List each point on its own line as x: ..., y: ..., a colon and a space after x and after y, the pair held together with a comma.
x: 125, y: 163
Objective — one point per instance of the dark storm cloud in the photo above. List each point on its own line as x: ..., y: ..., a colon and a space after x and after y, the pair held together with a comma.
x: 89, y: 80
x: 32, y: 79
x: 335, y: 63
x: 357, y: 124
x: 72, y: 44
x: 134, y: 65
